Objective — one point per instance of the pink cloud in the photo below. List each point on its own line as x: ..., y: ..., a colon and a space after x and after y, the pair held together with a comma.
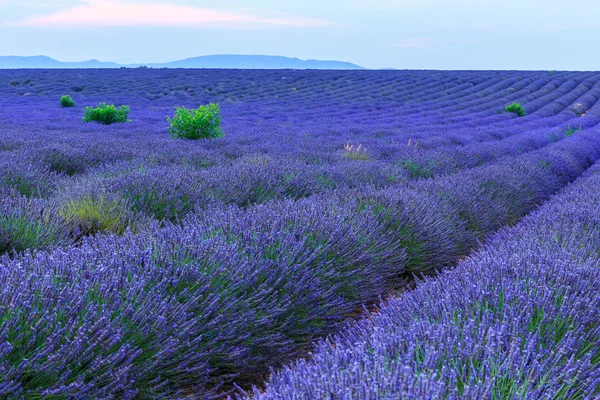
x: 101, y: 13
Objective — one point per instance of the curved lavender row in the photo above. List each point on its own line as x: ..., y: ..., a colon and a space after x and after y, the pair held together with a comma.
x: 567, y: 93
x: 458, y: 210
x: 518, y: 319
x: 182, y: 309
x: 500, y: 92
x: 488, y: 105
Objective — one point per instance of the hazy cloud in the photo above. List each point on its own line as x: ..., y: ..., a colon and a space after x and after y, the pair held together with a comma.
x: 413, y: 43
x: 101, y: 13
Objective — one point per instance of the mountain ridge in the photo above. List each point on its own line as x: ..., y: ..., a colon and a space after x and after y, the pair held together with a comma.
x: 225, y: 61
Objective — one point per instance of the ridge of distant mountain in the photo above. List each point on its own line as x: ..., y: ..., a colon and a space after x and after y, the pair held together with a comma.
x: 213, y: 61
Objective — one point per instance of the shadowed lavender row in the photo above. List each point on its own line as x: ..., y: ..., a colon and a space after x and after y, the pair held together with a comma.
x: 517, y: 319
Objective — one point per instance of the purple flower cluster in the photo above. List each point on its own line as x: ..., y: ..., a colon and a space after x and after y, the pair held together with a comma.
x: 519, y: 318
x: 136, y: 266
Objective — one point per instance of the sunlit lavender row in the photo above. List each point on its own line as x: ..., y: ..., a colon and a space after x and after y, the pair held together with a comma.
x: 140, y: 266
x: 518, y: 319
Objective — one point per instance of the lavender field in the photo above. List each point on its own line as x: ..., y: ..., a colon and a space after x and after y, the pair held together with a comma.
x: 354, y: 235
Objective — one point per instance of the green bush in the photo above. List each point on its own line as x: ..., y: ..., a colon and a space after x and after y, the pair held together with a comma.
x: 516, y: 108
x: 106, y: 114
x: 203, y: 123
x: 67, y: 101
x: 571, y: 131
x: 416, y: 170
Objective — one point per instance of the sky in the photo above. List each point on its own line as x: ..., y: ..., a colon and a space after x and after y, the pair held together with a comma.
x: 403, y: 34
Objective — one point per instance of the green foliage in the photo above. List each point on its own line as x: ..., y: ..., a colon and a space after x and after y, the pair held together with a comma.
x: 20, y: 231
x: 516, y: 108
x: 203, y: 123
x: 67, y: 101
x: 93, y: 214
x: 161, y: 206
x: 571, y: 131
x: 416, y: 170
x: 23, y: 184
x: 106, y: 114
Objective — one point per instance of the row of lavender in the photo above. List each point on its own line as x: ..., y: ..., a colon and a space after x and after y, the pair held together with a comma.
x: 191, y: 308
x: 520, y: 318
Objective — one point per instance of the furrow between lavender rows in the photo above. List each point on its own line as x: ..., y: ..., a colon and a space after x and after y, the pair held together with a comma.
x: 518, y: 319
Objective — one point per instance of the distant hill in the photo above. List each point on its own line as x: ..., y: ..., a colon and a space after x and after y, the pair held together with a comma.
x: 47, y: 62
x: 215, y: 61
x: 255, y: 62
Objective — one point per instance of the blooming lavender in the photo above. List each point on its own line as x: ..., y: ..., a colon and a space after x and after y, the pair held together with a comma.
x: 517, y: 319
x: 137, y: 266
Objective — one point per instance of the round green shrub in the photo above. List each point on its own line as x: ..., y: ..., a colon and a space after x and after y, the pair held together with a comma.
x: 516, y: 108
x: 67, y: 101
x: 106, y: 114
x: 203, y: 123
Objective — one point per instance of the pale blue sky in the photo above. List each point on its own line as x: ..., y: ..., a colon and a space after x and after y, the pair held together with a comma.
x: 427, y: 34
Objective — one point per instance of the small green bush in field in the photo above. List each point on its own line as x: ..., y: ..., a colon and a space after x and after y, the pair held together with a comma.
x: 571, y: 131
x: 203, y: 123
x: 67, y: 101
x: 106, y: 114
x: 516, y: 108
